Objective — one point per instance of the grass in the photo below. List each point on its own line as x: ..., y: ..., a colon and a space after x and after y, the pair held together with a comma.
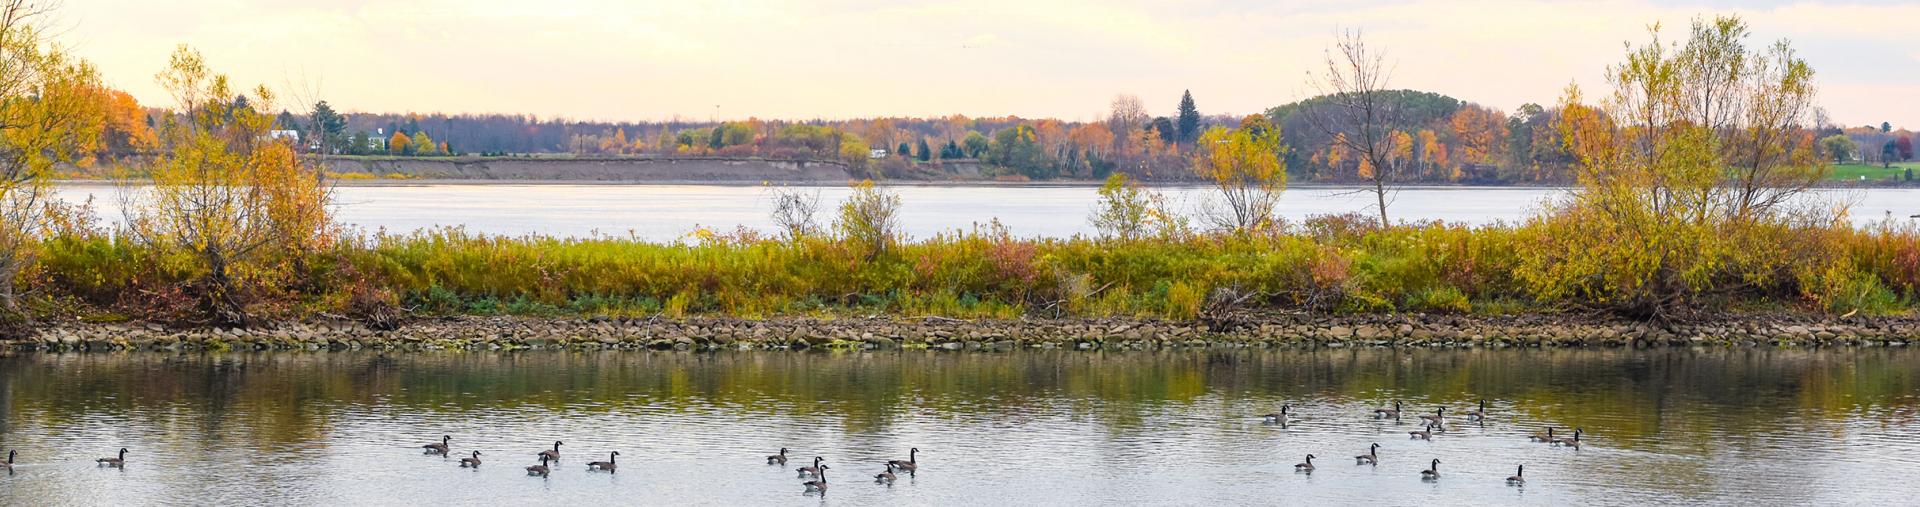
x: 1336, y: 264
x: 1853, y: 172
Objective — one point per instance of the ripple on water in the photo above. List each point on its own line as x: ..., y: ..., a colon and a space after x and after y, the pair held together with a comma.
x: 1028, y: 428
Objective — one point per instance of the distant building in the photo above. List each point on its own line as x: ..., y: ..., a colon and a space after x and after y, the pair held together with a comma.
x: 877, y: 153
x: 292, y: 135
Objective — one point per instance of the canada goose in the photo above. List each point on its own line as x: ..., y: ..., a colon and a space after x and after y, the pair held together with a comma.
x: 540, y: 469
x: 9, y: 464
x: 1278, y: 417
x: 1305, y: 467
x: 471, y: 462
x: 885, y: 477
x: 120, y: 462
x: 818, y: 485
x: 1372, y: 457
x: 1571, y: 442
x: 1542, y: 437
x: 1384, y: 413
x: 439, y: 448
x: 1480, y: 414
x: 1431, y: 473
x: 910, y: 465
x: 604, y: 465
x: 812, y: 470
x: 778, y: 459
x: 1517, y: 480
x: 553, y: 454
x: 1439, y: 415
x: 1425, y: 434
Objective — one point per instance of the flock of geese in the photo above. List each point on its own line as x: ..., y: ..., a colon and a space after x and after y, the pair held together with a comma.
x: 817, y: 472
x: 1437, y: 422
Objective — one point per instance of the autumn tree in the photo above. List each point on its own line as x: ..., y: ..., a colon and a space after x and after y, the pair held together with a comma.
x: 1361, y: 115
x: 399, y: 144
x: 51, y: 111
x: 1246, y: 169
x: 1695, y: 151
x: 1123, y: 210
x: 225, y: 194
x: 1838, y: 147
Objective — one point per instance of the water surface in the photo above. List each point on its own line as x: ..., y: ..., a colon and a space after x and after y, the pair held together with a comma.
x: 1724, y: 427
x: 669, y: 212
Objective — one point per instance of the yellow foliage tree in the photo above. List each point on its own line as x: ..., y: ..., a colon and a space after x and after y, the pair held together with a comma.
x: 51, y: 111
x: 1246, y: 167
x: 226, y: 194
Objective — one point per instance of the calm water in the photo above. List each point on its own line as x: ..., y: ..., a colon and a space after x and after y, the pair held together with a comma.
x: 669, y: 212
x: 1767, y: 427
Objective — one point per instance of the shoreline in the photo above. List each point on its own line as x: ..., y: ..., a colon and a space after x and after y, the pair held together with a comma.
x: 468, y: 333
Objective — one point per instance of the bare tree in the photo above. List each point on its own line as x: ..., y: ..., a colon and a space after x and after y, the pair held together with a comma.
x: 1360, y: 116
x: 1125, y: 118
x: 794, y: 212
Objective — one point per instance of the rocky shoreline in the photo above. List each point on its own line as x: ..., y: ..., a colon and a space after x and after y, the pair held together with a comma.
x: 701, y: 334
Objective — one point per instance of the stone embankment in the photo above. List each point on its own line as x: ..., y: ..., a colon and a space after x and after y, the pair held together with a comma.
x: 510, y: 333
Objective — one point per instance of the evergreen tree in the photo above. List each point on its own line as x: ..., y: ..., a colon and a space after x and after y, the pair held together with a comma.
x: 329, y: 126
x: 922, y: 151
x: 1189, y: 118
x: 904, y: 151
x: 1163, y: 126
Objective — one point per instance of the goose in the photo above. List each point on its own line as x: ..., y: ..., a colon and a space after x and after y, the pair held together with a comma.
x: 1479, y: 415
x: 1542, y: 437
x: 439, y: 448
x: 1571, y: 442
x: 818, y: 485
x: 471, y: 462
x: 604, y: 465
x: 540, y: 469
x: 1425, y: 434
x: 9, y: 463
x: 1517, y: 480
x: 1372, y: 457
x: 1278, y: 417
x: 1439, y: 416
x: 120, y: 462
x: 812, y: 470
x: 778, y: 459
x: 1432, y: 473
x: 1305, y: 467
x: 553, y: 454
x: 910, y: 465
x: 1384, y: 413
x: 885, y: 477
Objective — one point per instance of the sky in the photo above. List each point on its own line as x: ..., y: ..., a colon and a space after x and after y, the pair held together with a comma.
x: 801, y: 59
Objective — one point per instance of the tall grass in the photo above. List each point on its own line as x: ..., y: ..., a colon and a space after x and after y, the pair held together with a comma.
x: 1344, y: 264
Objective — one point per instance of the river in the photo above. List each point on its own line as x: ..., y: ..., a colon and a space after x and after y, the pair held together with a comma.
x: 1668, y: 426
x: 669, y: 212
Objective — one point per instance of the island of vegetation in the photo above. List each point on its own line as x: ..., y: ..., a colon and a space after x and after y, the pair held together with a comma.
x: 1683, y: 226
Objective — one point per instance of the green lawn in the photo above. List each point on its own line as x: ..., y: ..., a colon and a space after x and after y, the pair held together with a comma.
x: 1853, y: 172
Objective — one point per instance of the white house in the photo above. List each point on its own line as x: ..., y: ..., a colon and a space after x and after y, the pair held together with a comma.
x: 877, y: 153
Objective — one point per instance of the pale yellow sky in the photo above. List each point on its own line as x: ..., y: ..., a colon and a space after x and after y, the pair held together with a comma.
x: 647, y: 60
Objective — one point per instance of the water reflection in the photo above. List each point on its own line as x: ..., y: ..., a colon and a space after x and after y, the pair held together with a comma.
x: 1177, y: 427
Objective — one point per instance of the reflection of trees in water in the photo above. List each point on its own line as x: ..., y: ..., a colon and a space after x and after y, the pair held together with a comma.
x: 280, y: 399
